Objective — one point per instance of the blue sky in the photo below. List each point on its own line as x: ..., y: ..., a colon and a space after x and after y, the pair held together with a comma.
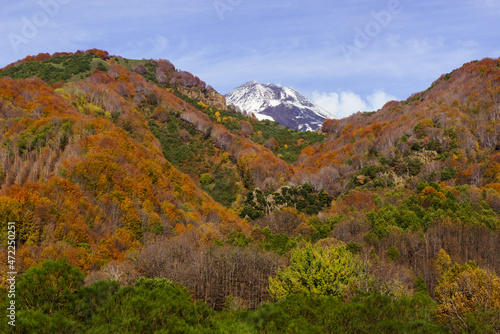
x: 345, y: 55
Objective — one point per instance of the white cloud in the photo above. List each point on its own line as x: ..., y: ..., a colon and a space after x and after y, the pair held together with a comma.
x: 346, y: 103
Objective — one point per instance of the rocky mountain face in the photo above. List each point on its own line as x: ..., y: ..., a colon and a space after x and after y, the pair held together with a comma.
x: 186, y: 83
x: 281, y: 104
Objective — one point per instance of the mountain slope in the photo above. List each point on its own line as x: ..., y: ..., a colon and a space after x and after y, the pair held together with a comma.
x: 121, y: 168
x: 281, y: 104
x: 436, y: 135
x: 82, y: 175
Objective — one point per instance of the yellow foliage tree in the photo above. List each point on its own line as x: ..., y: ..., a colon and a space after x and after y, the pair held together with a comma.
x: 468, y: 296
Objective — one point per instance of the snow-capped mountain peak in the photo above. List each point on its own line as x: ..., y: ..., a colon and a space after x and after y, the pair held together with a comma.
x: 281, y: 104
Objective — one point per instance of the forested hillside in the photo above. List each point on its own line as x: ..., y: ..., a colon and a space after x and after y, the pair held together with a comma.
x: 131, y: 178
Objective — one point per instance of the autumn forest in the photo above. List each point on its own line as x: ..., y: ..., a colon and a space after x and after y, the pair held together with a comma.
x: 143, y: 203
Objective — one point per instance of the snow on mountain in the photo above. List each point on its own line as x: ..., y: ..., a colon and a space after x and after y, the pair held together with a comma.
x: 281, y: 104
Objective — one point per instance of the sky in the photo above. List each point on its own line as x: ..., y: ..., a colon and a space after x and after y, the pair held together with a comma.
x: 346, y: 56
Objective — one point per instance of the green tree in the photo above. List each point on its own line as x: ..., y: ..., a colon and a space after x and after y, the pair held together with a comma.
x: 317, y: 271
x: 152, y: 306
x: 49, y: 287
x: 92, y: 298
x: 206, y: 179
x: 366, y: 313
x: 45, y: 298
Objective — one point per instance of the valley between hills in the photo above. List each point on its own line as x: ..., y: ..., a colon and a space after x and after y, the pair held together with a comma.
x: 143, y: 203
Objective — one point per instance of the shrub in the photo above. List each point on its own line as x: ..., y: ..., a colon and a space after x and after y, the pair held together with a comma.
x: 206, y: 179
x: 314, y: 271
x: 448, y: 174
